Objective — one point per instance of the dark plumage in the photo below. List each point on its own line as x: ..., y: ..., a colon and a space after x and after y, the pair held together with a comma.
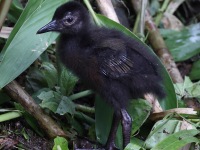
x: 109, y: 62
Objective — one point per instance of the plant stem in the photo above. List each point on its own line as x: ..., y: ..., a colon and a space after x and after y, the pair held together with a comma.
x: 80, y: 94
x: 85, y: 109
x: 87, y: 3
x: 9, y: 116
x: 161, y: 11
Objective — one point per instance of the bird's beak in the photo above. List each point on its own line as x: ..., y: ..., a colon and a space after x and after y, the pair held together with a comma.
x: 51, y: 26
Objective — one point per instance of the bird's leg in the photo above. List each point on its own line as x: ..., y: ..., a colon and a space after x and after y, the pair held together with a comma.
x: 110, y: 144
x: 126, y: 127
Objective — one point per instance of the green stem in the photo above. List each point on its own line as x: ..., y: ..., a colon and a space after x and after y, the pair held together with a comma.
x: 87, y: 3
x: 161, y: 11
x: 85, y: 109
x: 9, y: 116
x: 80, y: 94
x: 140, y: 21
x: 84, y: 118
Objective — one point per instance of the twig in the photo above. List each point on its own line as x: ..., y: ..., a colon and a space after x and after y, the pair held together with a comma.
x: 50, y: 127
x: 160, y: 115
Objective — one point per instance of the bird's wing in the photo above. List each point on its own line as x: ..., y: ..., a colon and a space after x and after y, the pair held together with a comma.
x: 113, y: 59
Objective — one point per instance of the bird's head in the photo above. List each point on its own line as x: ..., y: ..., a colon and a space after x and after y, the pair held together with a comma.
x: 69, y: 18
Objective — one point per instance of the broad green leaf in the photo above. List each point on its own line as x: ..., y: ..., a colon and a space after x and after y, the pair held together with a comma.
x: 67, y: 81
x: 50, y: 100
x: 180, y: 88
x: 56, y: 102
x: 195, y: 71
x: 183, y: 44
x: 50, y: 73
x: 103, y: 118
x: 162, y: 130
x: 65, y: 106
x: 193, y: 90
x: 188, y: 89
x: 24, y: 46
x: 178, y: 140
x: 60, y: 143
x: 139, y: 110
x: 35, y: 80
x: 135, y: 144
x: 131, y: 146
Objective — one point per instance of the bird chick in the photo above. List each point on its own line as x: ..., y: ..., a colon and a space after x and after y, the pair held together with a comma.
x: 114, y: 65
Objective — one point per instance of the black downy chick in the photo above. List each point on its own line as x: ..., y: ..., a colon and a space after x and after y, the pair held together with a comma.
x: 116, y: 66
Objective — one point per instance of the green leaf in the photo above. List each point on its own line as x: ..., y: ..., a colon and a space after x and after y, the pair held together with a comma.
x: 65, y: 106
x: 23, y: 46
x: 67, y: 81
x: 135, y: 144
x: 188, y: 89
x: 195, y: 71
x: 35, y: 80
x: 131, y: 146
x: 193, y: 90
x: 139, y: 110
x: 10, y: 115
x: 180, y: 88
x: 50, y: 73
x: 60, y: 143
x: 177, y: 140
x: 160, y: 131
x: 103, y: 118
x: 183, y: 44
x: 56, y: 102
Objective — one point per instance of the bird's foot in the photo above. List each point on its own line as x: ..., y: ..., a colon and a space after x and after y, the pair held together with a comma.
x: 111, y: 146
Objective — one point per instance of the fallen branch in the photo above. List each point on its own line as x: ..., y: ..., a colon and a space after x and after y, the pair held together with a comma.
x: 47, y: 123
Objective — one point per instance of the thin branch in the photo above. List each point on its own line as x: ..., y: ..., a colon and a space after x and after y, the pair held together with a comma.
x: 48, y: 124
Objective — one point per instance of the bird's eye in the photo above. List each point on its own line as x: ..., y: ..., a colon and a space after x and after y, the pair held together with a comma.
x: 69, y: 19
